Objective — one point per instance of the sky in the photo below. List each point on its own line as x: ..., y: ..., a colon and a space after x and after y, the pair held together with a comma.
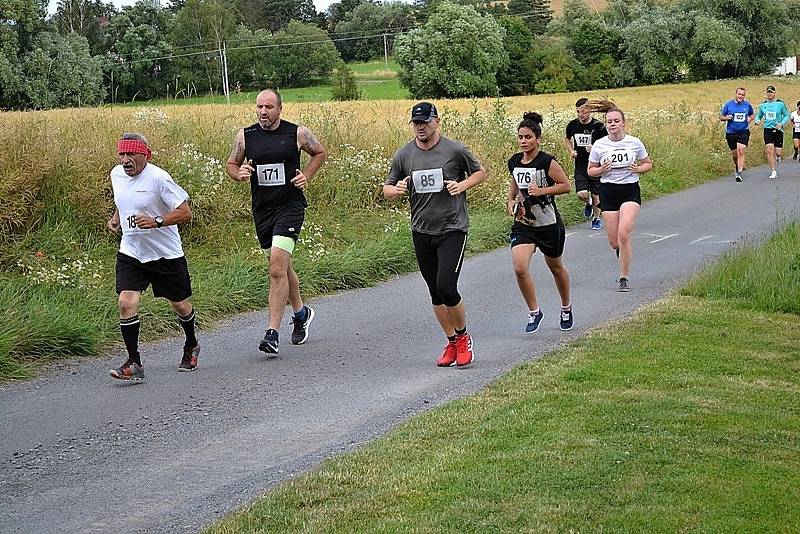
x: 321, y: 5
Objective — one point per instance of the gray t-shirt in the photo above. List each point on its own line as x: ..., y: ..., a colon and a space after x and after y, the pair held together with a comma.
x: 433, y: 210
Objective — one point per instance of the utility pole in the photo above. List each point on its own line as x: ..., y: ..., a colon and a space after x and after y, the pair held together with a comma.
x: 385, y: 52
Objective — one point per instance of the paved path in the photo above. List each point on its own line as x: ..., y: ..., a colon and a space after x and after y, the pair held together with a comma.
x: 184, y: 449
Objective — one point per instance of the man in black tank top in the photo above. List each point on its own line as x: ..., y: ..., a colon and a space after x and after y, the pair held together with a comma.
x: 267, y: 154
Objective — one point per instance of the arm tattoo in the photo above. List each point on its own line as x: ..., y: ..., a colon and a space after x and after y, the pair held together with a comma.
x: 310, y: 143
x: 237, y: 153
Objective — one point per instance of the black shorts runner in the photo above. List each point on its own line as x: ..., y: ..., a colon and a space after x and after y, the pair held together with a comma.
x: 773, y: 136
x: 742, y: 138
x: 170, y: 278
x: 612, y: 196
x: 584, y: 182
x: 549, y: 239
x: 285, y: 221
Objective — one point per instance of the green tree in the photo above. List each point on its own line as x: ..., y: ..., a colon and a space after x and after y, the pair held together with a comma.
x: 20, y: 22
x: 60, y: 72
x: 205, y: 26
x: 344, y: 83
x: 370, y: 21
x: 554, y: 66
x: 536, y: 12
x: 133, y: 39
x: 653, y: 48
x: 82, y: 17
x: 515, y: 78
x: 457, y: 53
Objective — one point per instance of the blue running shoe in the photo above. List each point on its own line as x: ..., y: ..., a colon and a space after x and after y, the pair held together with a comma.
x: 596, y: 224
x: 534, y: 319
x: 587, y: 210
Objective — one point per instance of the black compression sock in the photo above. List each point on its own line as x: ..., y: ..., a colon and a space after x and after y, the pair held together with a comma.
x: 130, y: 335
x: 187, y: 323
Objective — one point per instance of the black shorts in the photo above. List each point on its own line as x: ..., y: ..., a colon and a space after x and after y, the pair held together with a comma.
x: 612, y: 196
x: 742, y: 138
x: 584, y: 182
x: 285, y: 221
x: 795, y: 135
x: 773, y: 136
x: 170, y: 278
x: 549, y: 239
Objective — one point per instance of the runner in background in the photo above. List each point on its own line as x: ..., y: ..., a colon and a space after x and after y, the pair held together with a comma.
x: 775, y: 116
x: 795, y: 119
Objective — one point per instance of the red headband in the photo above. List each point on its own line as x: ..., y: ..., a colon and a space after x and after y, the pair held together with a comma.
x: 133, y: 146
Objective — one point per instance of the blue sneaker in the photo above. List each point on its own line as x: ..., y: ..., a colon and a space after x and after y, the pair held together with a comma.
x: 566, y: 319
x: 596, y: 224
x: 587, y: 210
x: 534, y: 320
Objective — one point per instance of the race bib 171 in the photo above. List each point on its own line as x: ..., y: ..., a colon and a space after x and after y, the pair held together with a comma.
x: 271, y: 174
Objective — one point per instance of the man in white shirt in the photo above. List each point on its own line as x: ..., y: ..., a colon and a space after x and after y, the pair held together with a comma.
x: 149, y: 205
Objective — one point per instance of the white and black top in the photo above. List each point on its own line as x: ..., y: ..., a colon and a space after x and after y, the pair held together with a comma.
x: 152, y: 192
x: 539, y: 210
x: 583, y: 136
x: 276, y: 158
x: 622, y: 154
x: 796, y: 121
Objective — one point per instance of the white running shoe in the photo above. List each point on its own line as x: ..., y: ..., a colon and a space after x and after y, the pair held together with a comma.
x: 773, y: 175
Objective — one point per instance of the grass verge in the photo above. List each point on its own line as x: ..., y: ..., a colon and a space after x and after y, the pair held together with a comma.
x: 681, y: 418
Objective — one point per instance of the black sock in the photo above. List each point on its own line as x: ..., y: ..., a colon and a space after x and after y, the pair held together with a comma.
x: 130, y: 335
x: 451, y: 338
x: 461, y: 332
x: 188, y: 328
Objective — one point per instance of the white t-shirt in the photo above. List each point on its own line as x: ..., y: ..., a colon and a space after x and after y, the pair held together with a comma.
x: 622, y: 154
x: 151, y: 192
x: 796, y: 121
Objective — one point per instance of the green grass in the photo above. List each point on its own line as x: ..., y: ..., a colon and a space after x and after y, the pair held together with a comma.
x: 627, y: 430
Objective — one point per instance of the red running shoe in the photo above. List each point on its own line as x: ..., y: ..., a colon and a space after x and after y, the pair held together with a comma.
x: 464, y: 354
x: 448, y: 357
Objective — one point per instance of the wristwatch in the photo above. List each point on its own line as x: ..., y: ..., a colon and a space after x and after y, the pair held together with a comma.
x: 159, y: 221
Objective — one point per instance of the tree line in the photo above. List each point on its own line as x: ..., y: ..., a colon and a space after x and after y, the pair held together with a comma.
x: 89, y: 52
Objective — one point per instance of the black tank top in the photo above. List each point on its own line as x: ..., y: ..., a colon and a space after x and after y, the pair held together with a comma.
x: 275, y: 158
x: 541, y: 210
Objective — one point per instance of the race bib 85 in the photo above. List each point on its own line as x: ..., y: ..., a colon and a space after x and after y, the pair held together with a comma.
x: 271, y: 174
x: 428, y: 180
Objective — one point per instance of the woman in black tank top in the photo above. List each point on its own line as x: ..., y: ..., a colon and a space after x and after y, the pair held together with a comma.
x: 536, y: 177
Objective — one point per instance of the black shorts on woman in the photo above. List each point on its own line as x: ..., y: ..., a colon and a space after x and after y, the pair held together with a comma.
x: 613, y: 196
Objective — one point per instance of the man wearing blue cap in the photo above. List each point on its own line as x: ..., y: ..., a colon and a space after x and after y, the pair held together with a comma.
x: 775, y: 115
x: 436, y: 172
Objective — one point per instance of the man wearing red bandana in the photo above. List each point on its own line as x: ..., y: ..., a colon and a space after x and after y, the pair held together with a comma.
x: 267, y: 154
x: 149, y: 206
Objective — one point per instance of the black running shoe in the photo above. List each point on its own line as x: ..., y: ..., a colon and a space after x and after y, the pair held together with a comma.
x: 270, y: 342
x: 566, y: 319
x: 300, y: 332
x: 189, y: 359
x: 129, y: 370
x: 623, y: 285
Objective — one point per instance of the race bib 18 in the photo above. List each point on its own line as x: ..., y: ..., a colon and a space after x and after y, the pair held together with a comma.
x: 128, y: 223
x: 428, y: 180
x: 271, y: 174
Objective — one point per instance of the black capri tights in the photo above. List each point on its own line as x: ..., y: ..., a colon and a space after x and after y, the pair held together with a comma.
x: 439, y: 258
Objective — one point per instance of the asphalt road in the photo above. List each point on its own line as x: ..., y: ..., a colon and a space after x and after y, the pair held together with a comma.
x: 80, y: 452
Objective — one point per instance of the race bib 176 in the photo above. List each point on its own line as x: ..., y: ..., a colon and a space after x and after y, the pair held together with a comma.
x: 525, y: 176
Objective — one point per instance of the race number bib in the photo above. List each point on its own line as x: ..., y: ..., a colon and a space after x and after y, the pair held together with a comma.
x: 739, y: 117
x: 525, y: 176
x: 583, y: 139
x: 428, y: 180
x: 619, y: 158
x: 271, y: 174
x: 128, y: 223
x: 797, y: 127
x: 770, y: 115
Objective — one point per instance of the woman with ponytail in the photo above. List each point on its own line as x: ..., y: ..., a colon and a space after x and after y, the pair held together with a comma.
x: 536, y: 177
x: 618, y: 160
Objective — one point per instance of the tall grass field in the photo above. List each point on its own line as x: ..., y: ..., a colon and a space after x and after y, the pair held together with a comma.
x: 57, y: 259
